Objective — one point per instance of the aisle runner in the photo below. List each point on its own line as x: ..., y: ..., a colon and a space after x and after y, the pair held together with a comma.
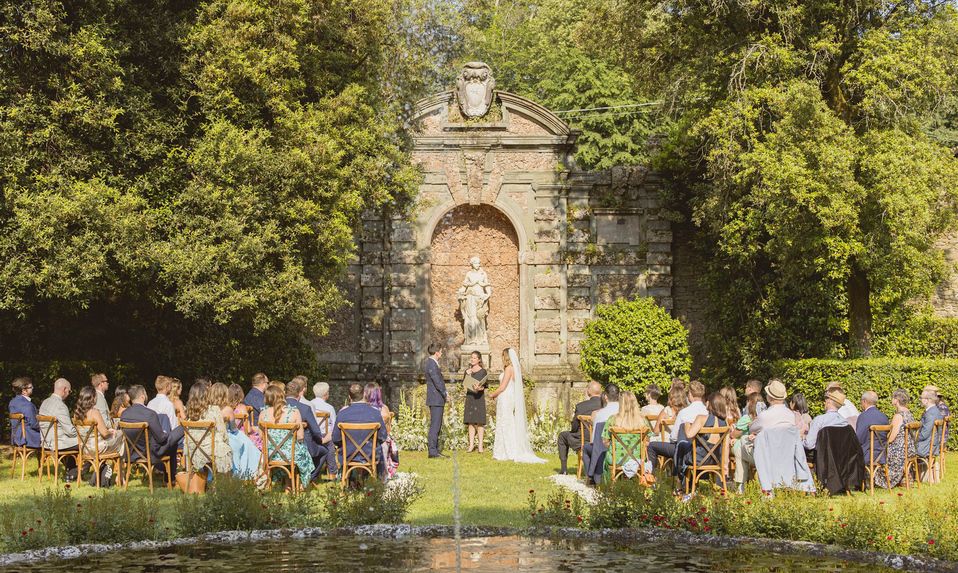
x: 573, y: 484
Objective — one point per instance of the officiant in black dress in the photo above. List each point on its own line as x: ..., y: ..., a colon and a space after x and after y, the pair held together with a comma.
x: 474, y: 409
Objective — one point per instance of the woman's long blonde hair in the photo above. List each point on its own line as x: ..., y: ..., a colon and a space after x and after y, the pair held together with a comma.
x: 630, y: 414
x: 506, y: 361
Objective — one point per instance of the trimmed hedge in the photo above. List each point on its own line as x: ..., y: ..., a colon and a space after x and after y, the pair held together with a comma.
x: 883, y: 375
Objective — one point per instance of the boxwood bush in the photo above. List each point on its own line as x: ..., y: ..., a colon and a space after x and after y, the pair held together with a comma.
x: 883, y: 375
x: 634, y: 343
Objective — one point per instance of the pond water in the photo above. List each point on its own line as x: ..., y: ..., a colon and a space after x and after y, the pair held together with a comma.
x: 491, y: 554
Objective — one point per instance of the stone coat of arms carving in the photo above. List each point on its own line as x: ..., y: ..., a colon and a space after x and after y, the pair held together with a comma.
x: 474, y: 89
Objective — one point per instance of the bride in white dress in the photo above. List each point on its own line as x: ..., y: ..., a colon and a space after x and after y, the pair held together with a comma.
x: 512, y: 432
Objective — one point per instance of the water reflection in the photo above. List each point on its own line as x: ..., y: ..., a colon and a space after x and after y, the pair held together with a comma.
x: 493, y: 554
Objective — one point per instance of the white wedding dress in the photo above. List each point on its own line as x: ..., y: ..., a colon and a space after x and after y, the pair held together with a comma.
x: 512, y: 431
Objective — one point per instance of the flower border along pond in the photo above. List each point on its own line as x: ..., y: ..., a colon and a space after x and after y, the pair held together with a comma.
x: 650, y: 535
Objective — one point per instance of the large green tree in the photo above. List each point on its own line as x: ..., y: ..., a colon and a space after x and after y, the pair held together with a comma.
x: 802, y: 153
x: 195, y: 168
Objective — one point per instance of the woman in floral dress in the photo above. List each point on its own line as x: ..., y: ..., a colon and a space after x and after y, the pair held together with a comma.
x: 278, y: 412
x: 896, y: 441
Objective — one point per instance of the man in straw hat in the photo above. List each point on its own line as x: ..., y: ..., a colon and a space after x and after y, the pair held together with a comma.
x: 834, y: 400
x: 777, y: 414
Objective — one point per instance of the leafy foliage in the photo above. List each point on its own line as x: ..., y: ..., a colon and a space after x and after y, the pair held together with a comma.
x: 801, y: 153
x: 634, y: 343
x: 375, y: 502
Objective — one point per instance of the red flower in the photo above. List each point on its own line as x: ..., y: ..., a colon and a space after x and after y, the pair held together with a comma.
x: 532, y: 491
x: 881, y: 503
x: 707, y: 529
x: 748, y: 502
x: 67, y: 486
x: 579, y: 518
x: 844, y: 524
x: 369, y: 494
x: 900, y: 494
x: 705, y: 520
x: 889, y: 538
x: 931, y: 542
x: 831, y: 509
x: 24, y: 532
x: 30, y: 530
x: 332, y: 502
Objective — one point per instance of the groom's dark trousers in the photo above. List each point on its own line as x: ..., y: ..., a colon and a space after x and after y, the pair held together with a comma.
x: 436, y: 400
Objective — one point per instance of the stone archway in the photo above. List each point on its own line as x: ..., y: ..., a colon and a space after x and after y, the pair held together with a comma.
x: 463, y: 232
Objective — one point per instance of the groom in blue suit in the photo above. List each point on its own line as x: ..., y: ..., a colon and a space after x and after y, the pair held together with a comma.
x: 435, y: 398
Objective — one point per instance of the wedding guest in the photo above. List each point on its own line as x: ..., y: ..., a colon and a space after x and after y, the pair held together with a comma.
x: 754, y: 386
x: 942, y: 405
x: 739, y: 433
x: 798, y: 404
x: 358, y: 412
x: 731, y: 401
x: 313, y: 436
x: 593, y: 452
x: 110, y: 441
x: 931, y: 414
x: 161, y: 403
x: 629, y: 417
x: 121, y: 401
x: 66, y: 431
x: 246, y: 456
x: 714, y: 417
x: 652, y: 406
x: 678, y: 399
x: 390, y: 451
x: 255, y: 398
x: 101, y: 384
x: 870, y: 416
x: 832, y: 418
x: 176, y: 393
x: 776, y: 415
x: 21, y: 404
x: 696, y: 393
x: 846, y: 409
x: 474, y: 407
x: 320, y: 403
x: 611, y: 407
x: 571, y: 439
x: 162, y: 443
x: 219, y: 412
x: 896, y: 441
x: 239, y: 409
x: 277, y: 410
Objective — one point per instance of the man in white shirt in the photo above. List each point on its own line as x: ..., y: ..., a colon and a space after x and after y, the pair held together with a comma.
x: 66, y: 431
x: 687, y: 415
x: 162, y: 405
x: 776, y: 415
x: 101, y: 384
x: 320, y: 404
x: 610, y: 409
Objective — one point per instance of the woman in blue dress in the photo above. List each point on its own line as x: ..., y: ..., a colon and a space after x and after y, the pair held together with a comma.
x: 245, y: 455
x: 278, y: 412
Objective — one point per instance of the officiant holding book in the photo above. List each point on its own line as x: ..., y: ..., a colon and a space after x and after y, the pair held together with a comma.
x: 474, y: 408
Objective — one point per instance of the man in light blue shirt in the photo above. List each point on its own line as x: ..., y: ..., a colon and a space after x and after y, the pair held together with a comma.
x: 834, y: 400
x: 320, y: 404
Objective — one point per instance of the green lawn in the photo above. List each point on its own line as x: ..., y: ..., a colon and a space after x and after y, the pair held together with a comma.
x: 491, y: 493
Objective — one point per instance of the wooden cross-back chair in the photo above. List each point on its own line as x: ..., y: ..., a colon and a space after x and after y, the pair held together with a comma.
x: 52, y: 456
x: 199, y: 446
x: 932, y: 462
x: 21, y: 453
x: 585, y: 437
x: 88, y: 447
x: 714, y: 461
x: 322, y: 418
x: 617, y: 444
x: 911, y: 459
x: 666, y: 429
x: 877, y: 457
x: 653, y: 420
x: 388, y: 420
x: 275, y: 439
x: 137, y: 455
x: 242, y: 422
x: 355, y: 436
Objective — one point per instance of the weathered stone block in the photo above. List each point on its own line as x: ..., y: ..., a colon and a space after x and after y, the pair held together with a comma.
x: 548, y: 279
x: 548, y: 235
x: 403, y: 233
x: 545, y: 214
x: 659, y: 258
x: 548, y: 346
x: 547, y: 299
x: 580, y: 303
x: 577, y: 324
x: 659, y: 236
x: 660, y: 247
x: 657, y: 280
x: 543, y: 255
x: 660, y: 292
x: 371, y: 276
x: 372, y: 300
x: 372, y: 344
x: 548, y: 359
x: 574, y: 346
x: 401, y: 345
x: 408, y: 258
x: 548, y: 325
x: 403, y: 298
x: 373, y: 320
x: 404, y: 319
x: 579, y: 280
x: 403, y: 279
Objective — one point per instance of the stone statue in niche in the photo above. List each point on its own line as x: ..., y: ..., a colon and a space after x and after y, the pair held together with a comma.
x: 474, y: 89
x: 474, y: 306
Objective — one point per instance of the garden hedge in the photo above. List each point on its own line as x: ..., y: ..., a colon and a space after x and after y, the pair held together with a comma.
x: 883, y: 375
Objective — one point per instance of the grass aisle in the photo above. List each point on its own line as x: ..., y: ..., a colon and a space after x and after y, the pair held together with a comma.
x: 492, y: 493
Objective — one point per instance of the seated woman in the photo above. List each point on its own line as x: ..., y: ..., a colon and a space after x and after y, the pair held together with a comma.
x: 678, y: 399
x: 718, y: 409
x: 797, y: 404
x: 215, y: 403
x: 121, y: 401
x: 373, y: 396
x: 246, y: 456
x: 110, y: 441
x: 896, y: 441
x: 743, y: 470
x: 245, y: 425
x: 176, y: 391
x: 198, y: 456
x: 629, y: 418
x: 277, y: 411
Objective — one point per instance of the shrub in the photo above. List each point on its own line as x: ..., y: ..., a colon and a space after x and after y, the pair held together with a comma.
x: 375, y: 502
x: 634, y: 343
x: 922, y: 336
x: 883, y: 375
x: 231, y: 504
x: 561, y: 509
x: 58, y: 517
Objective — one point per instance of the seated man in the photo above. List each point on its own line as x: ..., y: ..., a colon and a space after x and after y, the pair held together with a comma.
x: 846, y: 409
x: 929, y: 401
x: 832, y: 418
x: 685, y: 417
x: 162, y: 443
x: 593, y: 453
x: 775, y: 415
x: 572, y: 439
x: 66, y: 431
x: 162, y: 405
x: 21, y: 404
x: 871, y: 416
x: 255, y: 398
x: 359, y: 412
x: 313, y: 434
x: 320, y: 404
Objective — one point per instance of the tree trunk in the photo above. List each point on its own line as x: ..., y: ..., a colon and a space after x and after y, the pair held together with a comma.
x: 859, y: 314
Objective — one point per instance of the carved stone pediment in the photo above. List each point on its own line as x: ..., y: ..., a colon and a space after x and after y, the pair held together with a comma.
x: 474, y: 89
